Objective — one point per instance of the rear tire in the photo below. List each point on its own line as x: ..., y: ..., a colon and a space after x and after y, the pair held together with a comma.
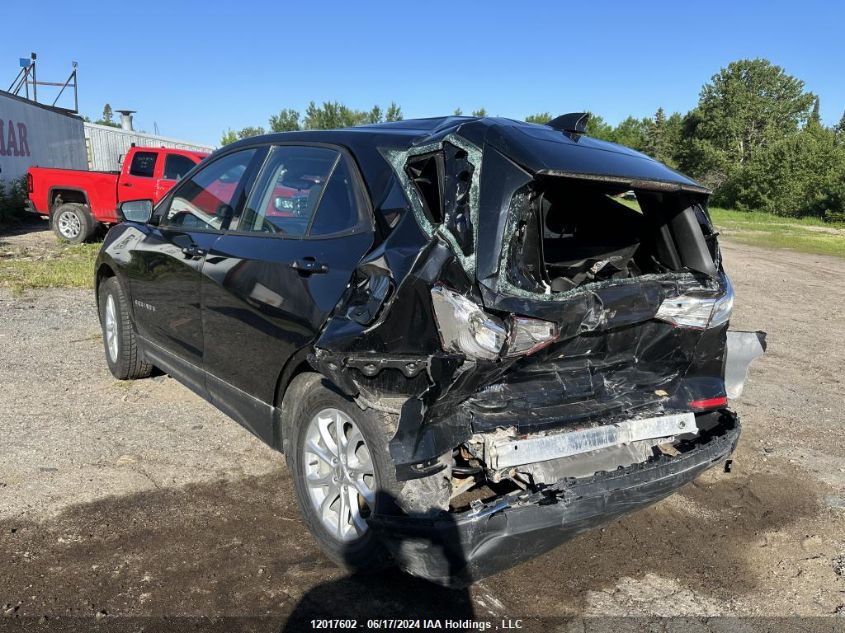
x: 71, y: 222
x: 340, y: 527
x: 121, y: 348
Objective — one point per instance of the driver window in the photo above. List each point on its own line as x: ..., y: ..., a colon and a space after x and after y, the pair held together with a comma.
x: 289, y: 189
x: 206, y: 201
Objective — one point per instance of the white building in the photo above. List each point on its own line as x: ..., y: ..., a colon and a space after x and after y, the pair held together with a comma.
x: 106, y: 145
x: 36, y: 134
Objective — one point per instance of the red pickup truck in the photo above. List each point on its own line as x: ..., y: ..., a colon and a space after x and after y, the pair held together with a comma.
x: 78, y: 202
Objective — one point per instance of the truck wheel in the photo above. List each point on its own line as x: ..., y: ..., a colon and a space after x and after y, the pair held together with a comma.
x: 121, y: 348
x: 73, y: 223
x: 342, y: 473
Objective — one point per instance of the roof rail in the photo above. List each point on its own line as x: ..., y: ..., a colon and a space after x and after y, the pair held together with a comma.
x: 572, y: 123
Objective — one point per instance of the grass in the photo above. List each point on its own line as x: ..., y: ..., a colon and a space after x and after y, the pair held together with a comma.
x: 808, y: 235
x: 68, y: 266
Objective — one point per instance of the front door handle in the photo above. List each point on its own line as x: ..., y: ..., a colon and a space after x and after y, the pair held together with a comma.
x: 127, y: 184
x: 194, y: 252
x: 309, y: 266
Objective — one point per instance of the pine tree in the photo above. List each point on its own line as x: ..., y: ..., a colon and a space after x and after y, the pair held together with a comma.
x: 655, y: 143
x: 840, y: 127
x: 815, y: 119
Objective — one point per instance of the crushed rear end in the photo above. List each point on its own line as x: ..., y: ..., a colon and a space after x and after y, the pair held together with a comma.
x: 547, y: 321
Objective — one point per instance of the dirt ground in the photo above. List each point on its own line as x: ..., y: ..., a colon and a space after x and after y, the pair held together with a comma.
x: 140, y: 499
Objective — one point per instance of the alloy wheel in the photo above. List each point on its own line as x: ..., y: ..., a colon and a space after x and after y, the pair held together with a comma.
x: 339, y: 474
x: 111, y: 328
x: 69, y: 224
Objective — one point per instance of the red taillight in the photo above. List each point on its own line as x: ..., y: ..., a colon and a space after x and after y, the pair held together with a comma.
x: 709, y: 403
x: 29, y: 185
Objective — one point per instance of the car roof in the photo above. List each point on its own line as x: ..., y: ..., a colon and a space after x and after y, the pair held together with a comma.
x: 538, y: 148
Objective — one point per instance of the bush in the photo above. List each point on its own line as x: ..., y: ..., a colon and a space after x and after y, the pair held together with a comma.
x: 13, y: 195
x: 800, y: 175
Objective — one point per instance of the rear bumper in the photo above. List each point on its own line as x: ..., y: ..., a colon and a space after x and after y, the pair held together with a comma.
x: 29, y: 207
x: 461, y: 548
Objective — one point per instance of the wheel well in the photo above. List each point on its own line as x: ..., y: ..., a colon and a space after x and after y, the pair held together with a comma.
x: 292, y: 369
x: 62, y: 196
x: 103, y: 272
x: 297, y: 366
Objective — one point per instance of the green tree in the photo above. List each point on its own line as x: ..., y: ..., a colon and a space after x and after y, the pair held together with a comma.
x: 331, y: 115
x: 631, y: 132
x: 394, y: 113
x: 815, y: 115
x: 674, y: 138
x: 598, y: 128
x: 107, y: 118
x: 287, y: 120
x: 656, y: 144
x: 840, y: 127
x: 481, y: 112
x: 749, y: 105
x: 801, y: 174
x: 540, y: 117
x: 229, y: 136
x: 13, y: 195
x: 375, y: 115
x: 251, y: 131
x: 459, y: 112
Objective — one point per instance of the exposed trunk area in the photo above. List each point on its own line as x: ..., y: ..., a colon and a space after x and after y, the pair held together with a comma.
x: 576, y: 232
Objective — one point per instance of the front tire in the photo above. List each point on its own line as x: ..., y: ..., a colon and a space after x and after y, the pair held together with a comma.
x: 121, y: 348
x: 73, y: 223
x: 342, y: 473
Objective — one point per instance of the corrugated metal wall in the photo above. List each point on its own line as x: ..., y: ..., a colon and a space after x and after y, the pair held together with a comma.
x: 106, y: 145
x: 35, y: 134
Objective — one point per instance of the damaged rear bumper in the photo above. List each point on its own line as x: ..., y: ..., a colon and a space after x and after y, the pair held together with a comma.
x: 460, y: 548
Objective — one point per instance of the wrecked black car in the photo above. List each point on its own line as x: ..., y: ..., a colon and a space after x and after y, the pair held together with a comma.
x: 472, y: 338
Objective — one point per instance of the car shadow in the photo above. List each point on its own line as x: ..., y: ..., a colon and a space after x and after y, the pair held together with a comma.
x: 238, y: 547
x: 392, y: 594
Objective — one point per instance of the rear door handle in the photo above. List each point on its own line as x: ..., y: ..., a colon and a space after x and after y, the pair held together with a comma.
x: 127, y: 184
x: 194, y: 251
x: 309, y: 266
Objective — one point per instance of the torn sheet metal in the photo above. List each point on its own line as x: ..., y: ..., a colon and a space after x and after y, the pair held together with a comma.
x: 611, y: 360
x: 742, y: 349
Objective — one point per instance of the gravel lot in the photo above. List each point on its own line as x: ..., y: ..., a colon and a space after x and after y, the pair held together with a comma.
x: 140, y: 499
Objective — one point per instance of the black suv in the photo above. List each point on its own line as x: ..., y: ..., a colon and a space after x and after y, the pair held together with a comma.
x: 472, y: 337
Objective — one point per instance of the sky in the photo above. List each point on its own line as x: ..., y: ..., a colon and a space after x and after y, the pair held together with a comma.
x: 195, y: 68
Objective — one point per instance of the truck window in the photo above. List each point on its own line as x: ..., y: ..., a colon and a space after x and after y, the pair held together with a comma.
x: 176, y: 166
x: 206, y: 200
x: 289, y: 190
x: 143, y: 164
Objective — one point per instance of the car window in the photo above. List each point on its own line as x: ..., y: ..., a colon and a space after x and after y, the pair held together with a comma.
x: 207, y: 199
x: 288, y: 191
x: 176, y: 166
x: 143, y: 164
x: 338, y: 209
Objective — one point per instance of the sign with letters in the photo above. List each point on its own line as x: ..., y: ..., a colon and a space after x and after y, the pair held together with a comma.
x: 31, y: 134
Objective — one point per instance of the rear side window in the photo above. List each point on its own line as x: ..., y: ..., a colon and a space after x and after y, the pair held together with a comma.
x: 207, y: 199
x: 176, y: 166
x: 338, y: 210
x: 143, y: 164
x: 289, y: 191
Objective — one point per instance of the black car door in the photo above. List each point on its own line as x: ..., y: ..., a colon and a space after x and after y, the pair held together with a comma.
x: 166, y: 264
x: 270, y: 285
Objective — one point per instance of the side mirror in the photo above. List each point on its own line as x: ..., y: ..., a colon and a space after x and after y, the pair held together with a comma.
x: 136, y: 210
